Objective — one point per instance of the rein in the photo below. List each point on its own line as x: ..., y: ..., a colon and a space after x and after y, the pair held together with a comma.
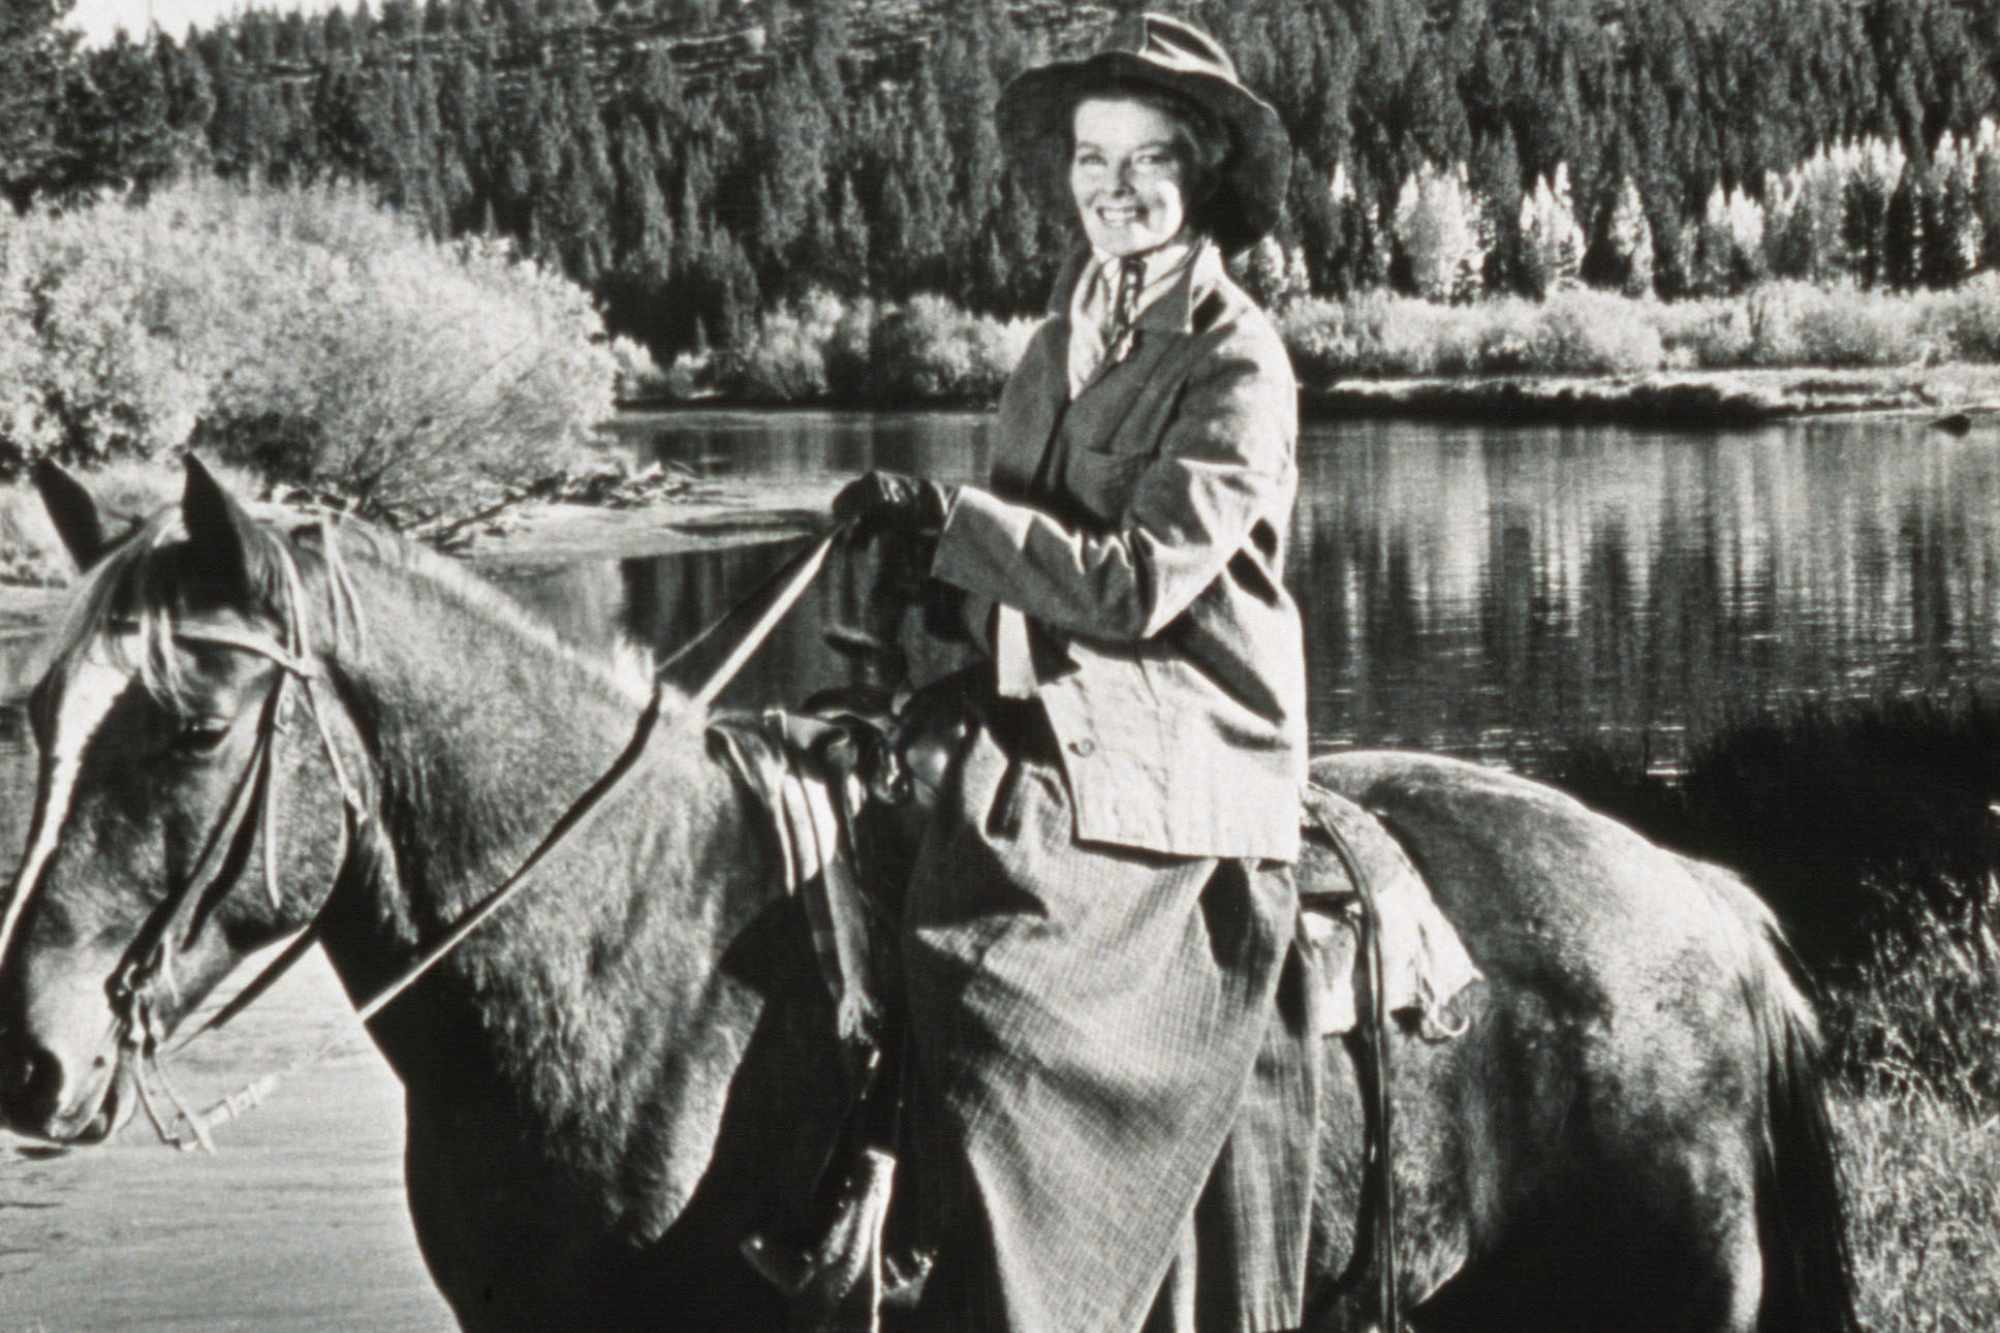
x: 149, y: 961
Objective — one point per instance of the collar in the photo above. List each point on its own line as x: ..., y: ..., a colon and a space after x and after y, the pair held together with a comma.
x: 1173, y: 309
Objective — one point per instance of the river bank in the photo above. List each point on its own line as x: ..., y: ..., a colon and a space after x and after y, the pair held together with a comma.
x: 1960, y: 396
x: 718, y: 514
x: 1685, y: 398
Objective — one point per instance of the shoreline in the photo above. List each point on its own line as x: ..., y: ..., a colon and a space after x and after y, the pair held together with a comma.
x: 1719, y: 399
x: 1959, y: 398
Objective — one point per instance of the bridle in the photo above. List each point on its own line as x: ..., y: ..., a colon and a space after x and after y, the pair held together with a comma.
x: 135, y: 986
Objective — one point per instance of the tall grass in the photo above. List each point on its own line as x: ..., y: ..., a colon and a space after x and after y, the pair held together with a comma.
x: 1868, y: 828
x: 1923, y: 1192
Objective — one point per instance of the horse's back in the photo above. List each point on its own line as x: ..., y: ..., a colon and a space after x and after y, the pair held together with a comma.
x: 1613, y: 1082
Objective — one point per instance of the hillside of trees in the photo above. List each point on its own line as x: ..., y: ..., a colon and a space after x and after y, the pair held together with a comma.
x: 695, y: 163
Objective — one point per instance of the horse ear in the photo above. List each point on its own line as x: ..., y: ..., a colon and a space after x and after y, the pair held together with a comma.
x: 72, y: 510
x: 220, y: 532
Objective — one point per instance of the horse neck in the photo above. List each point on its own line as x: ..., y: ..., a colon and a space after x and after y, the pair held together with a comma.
x: 480, y: 736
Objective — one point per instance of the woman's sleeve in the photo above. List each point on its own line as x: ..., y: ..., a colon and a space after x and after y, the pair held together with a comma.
x: 1224, y: 466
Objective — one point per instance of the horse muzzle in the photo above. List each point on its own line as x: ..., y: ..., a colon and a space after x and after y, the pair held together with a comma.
x: 61, y: 1074
x: 46, y: 1097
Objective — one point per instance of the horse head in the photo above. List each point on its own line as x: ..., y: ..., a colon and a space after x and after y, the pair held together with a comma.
x: 167, y: 724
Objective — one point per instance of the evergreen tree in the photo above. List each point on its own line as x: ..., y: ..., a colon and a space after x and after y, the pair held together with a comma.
x: 1903, y: 231
x: 790, y: 187
x: 37, y: 55
x: 1952, y: 235
x: 966, y: 64
x: 1495, y: 177
x: 190, y: 97
x: 850, y: 243
x: 115, y: 130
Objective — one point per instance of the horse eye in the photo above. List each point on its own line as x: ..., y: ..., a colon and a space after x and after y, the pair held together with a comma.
x: 201, y: 735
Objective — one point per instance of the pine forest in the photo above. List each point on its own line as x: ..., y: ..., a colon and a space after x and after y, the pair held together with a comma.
x: 694, y: 163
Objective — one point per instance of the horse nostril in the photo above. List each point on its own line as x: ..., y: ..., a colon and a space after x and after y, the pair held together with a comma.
x: 30, y: 1082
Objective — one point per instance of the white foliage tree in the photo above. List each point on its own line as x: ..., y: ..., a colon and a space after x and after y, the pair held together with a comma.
x: 1730, y: 247
x: 1631, y: 241
x: 1551, y: 239
x: 1438, y: 228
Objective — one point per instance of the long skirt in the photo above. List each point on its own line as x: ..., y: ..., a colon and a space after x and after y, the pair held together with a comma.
x: 1099, y: 1044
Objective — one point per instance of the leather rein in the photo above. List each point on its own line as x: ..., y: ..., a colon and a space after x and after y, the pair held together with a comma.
x: 136, y: 986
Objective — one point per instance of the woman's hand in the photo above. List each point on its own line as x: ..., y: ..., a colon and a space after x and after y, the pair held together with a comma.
x: 894, y: 502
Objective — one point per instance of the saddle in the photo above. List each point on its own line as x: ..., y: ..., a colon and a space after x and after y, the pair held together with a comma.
x: 848, y: 782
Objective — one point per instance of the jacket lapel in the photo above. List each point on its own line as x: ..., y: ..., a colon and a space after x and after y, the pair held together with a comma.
x: 1162, y: 328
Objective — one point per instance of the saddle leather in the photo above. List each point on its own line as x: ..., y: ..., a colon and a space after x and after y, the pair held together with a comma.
x: 849, y: 781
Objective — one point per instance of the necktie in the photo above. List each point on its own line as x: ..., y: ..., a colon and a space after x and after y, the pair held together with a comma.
x: 1125, y: 305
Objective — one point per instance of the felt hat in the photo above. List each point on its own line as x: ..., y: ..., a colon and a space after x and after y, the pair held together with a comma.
x: 1036, y: 111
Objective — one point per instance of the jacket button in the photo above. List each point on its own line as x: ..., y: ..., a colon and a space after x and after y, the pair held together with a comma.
x: 1083, y: 748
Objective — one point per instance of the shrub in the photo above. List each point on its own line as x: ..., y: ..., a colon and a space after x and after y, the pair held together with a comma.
x: 1967, y: 321
x: 1371, y: 333
x: 1843, y: 327
x: 1582, y: 332
x: 637, y: 375
x: 1576, y: 332
x: 1709, y: 334
x: 924, y: 350
x: 849, y: 354
x: 785, y: 359
x: 308, y: 334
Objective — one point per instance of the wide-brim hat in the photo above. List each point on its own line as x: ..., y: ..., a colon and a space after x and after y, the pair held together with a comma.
x: 1036, y: 109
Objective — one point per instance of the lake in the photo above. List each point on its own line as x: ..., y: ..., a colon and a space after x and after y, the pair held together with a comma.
x: 1483, y: 590
x: 1476, y: 590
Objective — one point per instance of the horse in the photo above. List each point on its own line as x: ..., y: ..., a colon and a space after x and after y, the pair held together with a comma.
x: 630, y: 1070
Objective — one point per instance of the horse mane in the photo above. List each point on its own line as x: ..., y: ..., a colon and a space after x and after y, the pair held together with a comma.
x: 136, y: 593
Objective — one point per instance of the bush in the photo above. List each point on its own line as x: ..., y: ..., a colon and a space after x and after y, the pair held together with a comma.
x: 1967, y: 321
x: 821, y: 348
x: 638, y: 375
x: 1709, y: 334
x: 308, y: 334
x: 786, y: 357
x: 1576, y: 332
x: 1583, y: 332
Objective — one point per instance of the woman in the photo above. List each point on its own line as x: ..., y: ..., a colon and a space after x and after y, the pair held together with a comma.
x: 1099, y: 920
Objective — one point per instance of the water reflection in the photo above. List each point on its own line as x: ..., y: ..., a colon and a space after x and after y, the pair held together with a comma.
x: 1476, y: 590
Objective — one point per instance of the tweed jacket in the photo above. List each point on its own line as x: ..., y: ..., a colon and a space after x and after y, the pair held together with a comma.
x: 1141, y: 528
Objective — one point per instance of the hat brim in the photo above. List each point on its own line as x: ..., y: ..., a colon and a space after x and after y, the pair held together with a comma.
x: 1036, y: 108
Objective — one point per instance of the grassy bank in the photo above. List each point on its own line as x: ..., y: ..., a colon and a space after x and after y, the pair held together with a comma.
x: 1782, y: 349
x: 1868, y: 827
